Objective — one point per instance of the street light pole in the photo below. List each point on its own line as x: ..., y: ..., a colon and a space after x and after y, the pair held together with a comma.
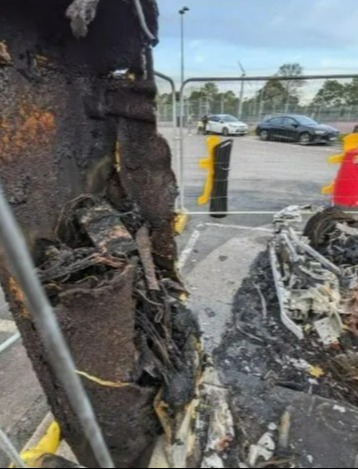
x: 182, y: 13
x: 242, y: 91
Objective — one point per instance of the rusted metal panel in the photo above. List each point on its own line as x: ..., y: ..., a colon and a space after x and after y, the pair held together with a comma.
x: 57, y: 99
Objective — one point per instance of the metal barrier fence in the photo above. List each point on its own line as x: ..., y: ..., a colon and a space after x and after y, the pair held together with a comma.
x: 168, y: 120
x: 265, y: 176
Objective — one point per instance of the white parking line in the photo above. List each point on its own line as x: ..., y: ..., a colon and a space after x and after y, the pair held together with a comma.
x: 7, y: 326
x: 188, y: 249
x: 9, y: 342
x: 239, y: 227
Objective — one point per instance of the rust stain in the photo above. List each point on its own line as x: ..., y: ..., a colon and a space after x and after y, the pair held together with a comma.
x: 19, y: 297
x: 27, y: 128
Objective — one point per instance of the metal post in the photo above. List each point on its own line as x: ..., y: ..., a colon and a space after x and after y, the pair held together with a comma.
x: 182, y: 13
x: 174, y: 123
x: 287, y: 105
x: 262, y: 103
x: 181, y: 150
x: 242, y: 90
x: 241, y: 101
x: 7, y: 447
x: 182, y: 48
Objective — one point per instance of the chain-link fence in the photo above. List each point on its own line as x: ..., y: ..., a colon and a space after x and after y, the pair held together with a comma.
x: 268, y: 172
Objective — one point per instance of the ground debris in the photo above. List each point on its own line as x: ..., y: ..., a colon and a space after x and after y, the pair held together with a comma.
x: 205, y: 435
x: 263, y: 450
x: 106, y: 229
x: 284, y: 364
x: 5, y: 57
x: 145, y: 251
x: 315, y: 275
x: 95, y: 248
x: 54, y: 462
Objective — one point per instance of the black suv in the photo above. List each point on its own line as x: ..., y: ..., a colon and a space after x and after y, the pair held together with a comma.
x: 296, y: 128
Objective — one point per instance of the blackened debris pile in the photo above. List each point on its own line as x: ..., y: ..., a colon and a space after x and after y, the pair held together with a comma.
x: 334, y: 234
x: 122, y: 316
x: 294, y: 338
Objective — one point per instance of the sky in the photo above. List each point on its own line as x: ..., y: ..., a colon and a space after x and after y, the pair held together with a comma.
x: 262, y: 34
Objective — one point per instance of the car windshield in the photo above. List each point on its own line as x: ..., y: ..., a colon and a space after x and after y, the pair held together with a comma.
x: 229, y: 119
x: 303, y: 120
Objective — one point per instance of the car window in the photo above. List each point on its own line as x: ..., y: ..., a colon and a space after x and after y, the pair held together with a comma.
x: 214, y: 119
x: 276, y: 121
x: 303, y: 120
x: 228, y: 118
x: 289, y: 122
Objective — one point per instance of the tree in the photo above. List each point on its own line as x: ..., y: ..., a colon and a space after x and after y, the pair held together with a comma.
x: 291, y: 86
x: 273, y: 98
x: 202, y: 101
x: 273, y: 93
x: 226, y: 103
x: 210, y: 89
x: 352, y: 92
x: 331, y: 94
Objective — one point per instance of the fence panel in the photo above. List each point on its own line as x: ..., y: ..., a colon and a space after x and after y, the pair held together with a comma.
x: 168, y: 118
x: 268, y: 175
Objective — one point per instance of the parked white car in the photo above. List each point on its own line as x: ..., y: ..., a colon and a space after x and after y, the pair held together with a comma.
x: 224, y: 124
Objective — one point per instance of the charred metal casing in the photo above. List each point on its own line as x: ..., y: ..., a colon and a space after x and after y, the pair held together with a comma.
x: 69, y: 126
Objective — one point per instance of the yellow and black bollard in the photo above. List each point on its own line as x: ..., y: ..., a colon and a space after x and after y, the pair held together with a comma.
x: 218, y: 166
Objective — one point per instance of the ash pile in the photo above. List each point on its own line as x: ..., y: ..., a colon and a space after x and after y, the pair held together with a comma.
x: 290, y: 357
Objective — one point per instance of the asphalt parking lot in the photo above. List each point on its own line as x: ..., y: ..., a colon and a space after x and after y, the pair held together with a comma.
x: 264, y: 176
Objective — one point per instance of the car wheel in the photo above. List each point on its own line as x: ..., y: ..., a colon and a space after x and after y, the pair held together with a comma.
x: 264, y: 135
x: 305, y: 138
x: 225, y: 132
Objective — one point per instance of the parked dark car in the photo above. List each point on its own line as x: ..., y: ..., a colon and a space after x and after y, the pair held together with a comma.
x: 296, y: 128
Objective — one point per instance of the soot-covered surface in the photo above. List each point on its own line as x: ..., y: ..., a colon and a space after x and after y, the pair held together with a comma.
x: 265, y: 368
x: 70, y: 127
x: 58, y: 125
x: 266, y: 349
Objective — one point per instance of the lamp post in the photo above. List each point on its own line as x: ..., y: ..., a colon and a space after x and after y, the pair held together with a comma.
x: 242, y: 91
x: 182, y: 14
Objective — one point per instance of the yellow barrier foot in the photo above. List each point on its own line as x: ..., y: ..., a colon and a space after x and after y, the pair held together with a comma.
x: 181, y: 220
x: 327, y: 190
x: 48, y: 444
x: 209, y: 164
